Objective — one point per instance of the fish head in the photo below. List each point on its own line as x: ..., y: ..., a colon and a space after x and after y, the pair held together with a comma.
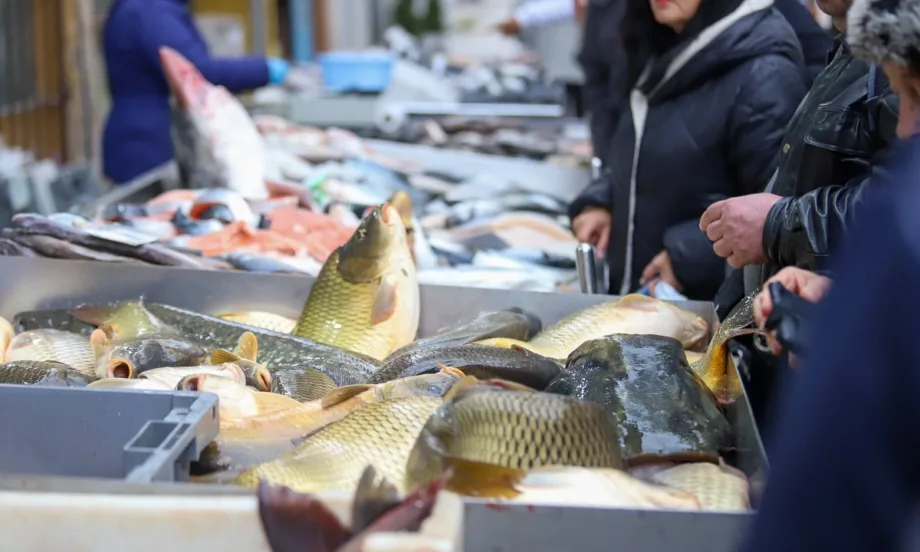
x: 257, y: 375
x: 185, y: 81
x: 432, y: 385
x: 235, y: 400
x: 372, y: 249
x: 129, y: 359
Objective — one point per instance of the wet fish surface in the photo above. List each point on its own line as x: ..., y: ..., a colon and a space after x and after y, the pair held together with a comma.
x: 662, y: 409
x: 487, y: 428
x: 481, y: 361
x: 42, y: 374
x: 513, y: 323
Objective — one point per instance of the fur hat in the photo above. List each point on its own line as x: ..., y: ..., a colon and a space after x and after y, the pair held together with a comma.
x: 885, y: 31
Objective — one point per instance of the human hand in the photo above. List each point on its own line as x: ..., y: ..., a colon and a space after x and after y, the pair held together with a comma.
x: 581, y: 7
x: 593, y: 226
x: 735, y: 227
x: 278, y: 70
x: 509, y: 27
x: 662, y: 269
x: 807, y: 285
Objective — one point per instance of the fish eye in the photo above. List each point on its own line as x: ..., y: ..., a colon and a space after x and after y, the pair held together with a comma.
x: 361, y: 233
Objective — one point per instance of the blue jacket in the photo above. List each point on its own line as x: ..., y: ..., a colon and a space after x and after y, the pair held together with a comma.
x: 844, y: 464
x: 136, y: 137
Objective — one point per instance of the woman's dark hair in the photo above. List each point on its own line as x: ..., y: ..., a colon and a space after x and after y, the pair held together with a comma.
x: 644, y: 38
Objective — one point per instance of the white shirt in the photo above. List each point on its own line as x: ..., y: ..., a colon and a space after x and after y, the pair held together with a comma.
x: 540, y: 13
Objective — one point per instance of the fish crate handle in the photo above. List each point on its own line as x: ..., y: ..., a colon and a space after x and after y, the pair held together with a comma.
x: 586, y: 263
x: 789, y: 319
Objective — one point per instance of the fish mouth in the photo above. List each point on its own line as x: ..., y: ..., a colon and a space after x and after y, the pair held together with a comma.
x: 264, y: 380
x: 389, y: 214
x: 120, y: 368
x: 192, y: 383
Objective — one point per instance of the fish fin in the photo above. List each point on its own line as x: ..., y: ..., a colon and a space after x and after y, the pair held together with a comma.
x: 248, y: 347
x: 6, y: 336
x: 100, y: 341
x: 482, y: 480
x: 466, y: 383
x: 374, y: 497
x: 342, y: 394
x: 384, y: 302
x: 293, y: 522
x: 639, y: 302
x: 505, y: 343
x: 97, y: 315
x: 450, y: 370
x: 509, y: 385
x: 273, y: 402
x: 222, y: 356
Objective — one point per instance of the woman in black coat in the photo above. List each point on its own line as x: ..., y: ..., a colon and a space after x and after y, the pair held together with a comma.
x: 711, y: 85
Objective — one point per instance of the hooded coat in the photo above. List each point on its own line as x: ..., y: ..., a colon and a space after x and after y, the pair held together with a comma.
x: 136, y: 137
x: 705, y: 124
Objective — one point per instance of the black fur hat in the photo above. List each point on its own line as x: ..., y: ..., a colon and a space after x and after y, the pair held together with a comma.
x: 885, y: 31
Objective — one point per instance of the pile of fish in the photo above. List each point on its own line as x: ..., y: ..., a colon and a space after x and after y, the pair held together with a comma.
x: 614, y: 405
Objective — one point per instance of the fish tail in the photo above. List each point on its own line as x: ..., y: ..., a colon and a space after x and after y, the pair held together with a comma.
x: 185, y: 81
x: 6, y: 336
x: 483, y: 480
x: 373, y: 498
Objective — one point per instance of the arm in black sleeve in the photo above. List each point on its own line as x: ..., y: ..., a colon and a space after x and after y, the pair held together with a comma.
x: 803, y: 231
x: 696, y: 266
x: 765, y: 105
x: 597, y: 194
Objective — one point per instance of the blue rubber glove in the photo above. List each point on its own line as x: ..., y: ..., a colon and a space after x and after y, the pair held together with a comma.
x: 278, y: 70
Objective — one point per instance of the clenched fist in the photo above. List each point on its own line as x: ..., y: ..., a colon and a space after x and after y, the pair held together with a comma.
x: 593, y: 226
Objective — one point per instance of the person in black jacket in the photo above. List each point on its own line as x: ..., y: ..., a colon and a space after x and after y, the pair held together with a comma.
x: 815, y: 41
x: 710, y: 87
x: 603, y: 63
x: 837, y: 136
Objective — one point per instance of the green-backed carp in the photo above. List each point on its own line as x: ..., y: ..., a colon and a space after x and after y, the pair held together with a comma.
x: 42, y: 374
x: 662, y: 409
x: 366, y: 297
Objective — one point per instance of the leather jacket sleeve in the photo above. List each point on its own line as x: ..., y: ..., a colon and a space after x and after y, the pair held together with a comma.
x: 597, y: 194
x: 803, y: 231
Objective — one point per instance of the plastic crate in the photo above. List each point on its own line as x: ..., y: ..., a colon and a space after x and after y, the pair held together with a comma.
x: 138, y: 436
x: 356, y: 71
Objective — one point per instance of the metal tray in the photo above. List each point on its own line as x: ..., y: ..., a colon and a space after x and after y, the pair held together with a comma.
x: 31, y: 283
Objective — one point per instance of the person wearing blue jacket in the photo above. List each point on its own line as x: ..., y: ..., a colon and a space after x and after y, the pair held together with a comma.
x: 136, y: 138
x: 844, y: 474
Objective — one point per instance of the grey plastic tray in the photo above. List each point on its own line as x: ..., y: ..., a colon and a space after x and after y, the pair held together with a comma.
x: 136, y: 436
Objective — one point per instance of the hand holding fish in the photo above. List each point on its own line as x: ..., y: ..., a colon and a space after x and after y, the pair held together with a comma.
x: 807, y: 285
x: 735, y: 227
x: 662, y: 269
x: 509, y: 27
x: 593, y: 226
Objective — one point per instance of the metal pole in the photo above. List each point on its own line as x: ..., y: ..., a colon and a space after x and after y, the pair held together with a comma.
x: 300, y: 14
x: 585, y: 262
x: 257, y: 17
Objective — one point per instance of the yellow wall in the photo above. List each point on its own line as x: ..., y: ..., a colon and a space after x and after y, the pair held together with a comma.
x: 240, y: 8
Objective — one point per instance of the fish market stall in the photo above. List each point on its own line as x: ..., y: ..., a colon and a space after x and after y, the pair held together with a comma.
x: 30, y: 284
x: 273, y: 197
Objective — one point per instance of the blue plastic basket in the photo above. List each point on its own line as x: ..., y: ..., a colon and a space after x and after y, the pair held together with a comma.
x: 356, y: 71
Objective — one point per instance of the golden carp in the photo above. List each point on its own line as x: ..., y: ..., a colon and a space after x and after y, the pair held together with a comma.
x: 236, y: 400
x: 480, y: 426
x: 129, y: 384
x: 124, y: 321
x: 42, y: 374
x: 721, y: 488
x: 366, y: 298
x: 380, y: 435
x: 68, y: 348
x: 632, y: 314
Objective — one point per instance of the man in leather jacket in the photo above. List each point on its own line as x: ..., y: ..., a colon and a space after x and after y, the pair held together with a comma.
x: 837, y: 137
